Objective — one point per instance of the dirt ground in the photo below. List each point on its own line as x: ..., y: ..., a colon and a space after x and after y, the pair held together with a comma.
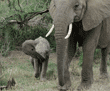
x: 75, y: 71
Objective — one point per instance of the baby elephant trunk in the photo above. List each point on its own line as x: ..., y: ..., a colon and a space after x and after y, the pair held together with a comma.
x: 39, y: 57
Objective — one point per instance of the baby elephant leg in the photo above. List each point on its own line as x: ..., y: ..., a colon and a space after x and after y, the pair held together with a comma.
x: 36, y: 68
x: 44, y: 69
x: 40, y: 67
x: 32, y: 61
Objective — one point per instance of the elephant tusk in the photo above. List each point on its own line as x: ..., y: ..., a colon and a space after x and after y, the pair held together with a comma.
x: 69, y: 32
x: 50, y: 31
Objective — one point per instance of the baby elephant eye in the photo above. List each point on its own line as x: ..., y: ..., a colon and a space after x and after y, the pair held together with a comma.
x: 32, y: 49
x: 54, y: 6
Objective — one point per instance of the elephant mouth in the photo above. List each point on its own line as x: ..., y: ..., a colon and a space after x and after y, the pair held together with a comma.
x: 76, y: 19
x: 68, y: 34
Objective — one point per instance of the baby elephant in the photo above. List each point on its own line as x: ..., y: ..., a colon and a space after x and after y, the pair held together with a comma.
x: 38, y: 49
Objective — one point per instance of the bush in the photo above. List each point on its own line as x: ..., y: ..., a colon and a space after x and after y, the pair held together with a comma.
x: 15, y: 37
x: 97, y: 54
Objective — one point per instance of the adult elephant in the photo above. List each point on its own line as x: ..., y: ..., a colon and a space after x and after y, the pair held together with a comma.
x: 91, y: 29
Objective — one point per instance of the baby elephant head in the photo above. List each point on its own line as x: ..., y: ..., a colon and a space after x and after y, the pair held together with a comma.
x: 28, y: 47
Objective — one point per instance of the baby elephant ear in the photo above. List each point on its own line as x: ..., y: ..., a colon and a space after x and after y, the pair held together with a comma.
x: 96, y: 12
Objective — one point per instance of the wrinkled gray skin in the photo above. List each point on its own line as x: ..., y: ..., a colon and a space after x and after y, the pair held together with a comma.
x: 91, y: 29
x: 38, y: 49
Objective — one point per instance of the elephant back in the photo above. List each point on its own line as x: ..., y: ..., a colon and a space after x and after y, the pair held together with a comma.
x: 42, y: 46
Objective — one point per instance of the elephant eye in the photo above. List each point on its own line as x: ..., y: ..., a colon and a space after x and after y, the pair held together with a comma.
x: 76, y: 6
x: 54, y: 5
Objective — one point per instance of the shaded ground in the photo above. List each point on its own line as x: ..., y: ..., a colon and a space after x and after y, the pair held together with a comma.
x: 17, y: 65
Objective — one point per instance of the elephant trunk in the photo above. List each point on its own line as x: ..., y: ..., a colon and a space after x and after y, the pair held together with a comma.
x: 61, y: 46
x: 61, y: 24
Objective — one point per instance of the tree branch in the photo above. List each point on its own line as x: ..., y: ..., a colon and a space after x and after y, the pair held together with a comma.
x: 20, y: 21
x: 19, y: 6
x: 10, y: 83
x: 34, y: 14
x: 9, y: 4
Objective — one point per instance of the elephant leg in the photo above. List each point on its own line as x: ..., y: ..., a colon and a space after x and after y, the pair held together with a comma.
x: 89, y: 47
x: 67, y: 80
x: 103, y: 66
x: 40, y: 67
x: 32, y: 61
x: 44, y: 69
x: 71, y: 53
x: 87, y: 71
x: 36, y: 68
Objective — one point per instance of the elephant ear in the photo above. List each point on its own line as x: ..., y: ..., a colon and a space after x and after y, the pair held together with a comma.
x: 96, y: 12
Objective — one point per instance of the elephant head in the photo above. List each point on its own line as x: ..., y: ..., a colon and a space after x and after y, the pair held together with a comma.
x: 66, y: 12
x: 28, y: 48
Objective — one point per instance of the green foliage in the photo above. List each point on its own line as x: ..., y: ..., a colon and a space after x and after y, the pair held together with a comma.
x: 97, y: 54
x: 22, y: 8
x: 14, y: 34
x: 17, y: 37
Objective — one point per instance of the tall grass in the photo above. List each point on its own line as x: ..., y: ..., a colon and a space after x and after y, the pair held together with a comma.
x: 18, y: 65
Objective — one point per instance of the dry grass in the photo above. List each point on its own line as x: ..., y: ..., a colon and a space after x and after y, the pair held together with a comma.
x: 17, y: 65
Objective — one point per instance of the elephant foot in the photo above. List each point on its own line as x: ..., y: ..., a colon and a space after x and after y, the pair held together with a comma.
x: 64, y: 88
x: 36, y: 75
x: 43, y: 79
x: 103, y: 76
x: 84, y: 85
